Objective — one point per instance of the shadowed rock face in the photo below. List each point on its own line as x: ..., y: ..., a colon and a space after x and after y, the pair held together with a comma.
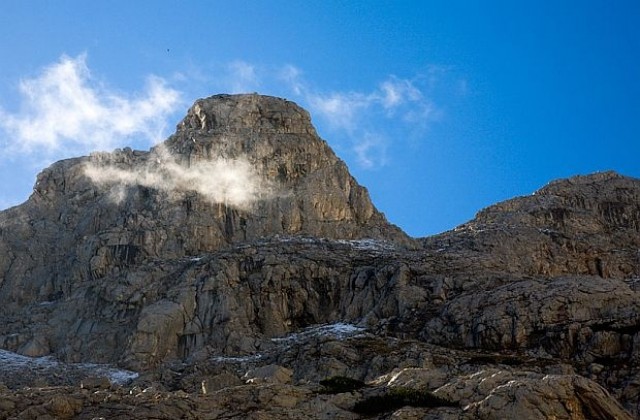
x: 213, y: 258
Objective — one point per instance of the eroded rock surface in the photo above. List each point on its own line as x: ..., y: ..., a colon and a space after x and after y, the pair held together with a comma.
x: 238, y: 264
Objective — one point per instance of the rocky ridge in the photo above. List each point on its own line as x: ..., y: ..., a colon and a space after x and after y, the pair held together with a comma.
x: 243, y: 301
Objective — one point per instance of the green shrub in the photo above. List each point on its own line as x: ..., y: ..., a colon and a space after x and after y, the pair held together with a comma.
x: 340, y: 384
x: 399, y: 397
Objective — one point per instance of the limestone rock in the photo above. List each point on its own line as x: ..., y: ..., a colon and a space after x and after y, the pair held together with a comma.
x: 495, y: 394
x: 87, y: 262
x: 567, y: 317
x: 242, y: 246
x: 586, y: 225
x: 160, y: 205
x: 269, y: 374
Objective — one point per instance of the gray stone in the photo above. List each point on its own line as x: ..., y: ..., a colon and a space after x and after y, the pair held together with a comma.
x: 163, y: 262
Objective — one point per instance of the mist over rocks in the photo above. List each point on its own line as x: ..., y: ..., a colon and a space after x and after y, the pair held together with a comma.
x: 221, y: 265
x: 232, y: 182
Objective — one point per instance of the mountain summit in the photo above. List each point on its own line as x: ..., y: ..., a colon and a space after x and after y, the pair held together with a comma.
x: 239, y: 167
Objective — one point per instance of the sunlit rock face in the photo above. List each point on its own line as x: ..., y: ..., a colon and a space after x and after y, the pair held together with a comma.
x: 241, y: 252
x: 100, y: 240
x: 238, y: 168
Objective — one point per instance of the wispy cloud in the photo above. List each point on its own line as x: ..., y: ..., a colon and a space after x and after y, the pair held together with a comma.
x: 362, y: 114
x: 368, y: 124
x: 242, y: 77
x: 66, y: 110
x: 233, y: 182
x: 371, y: 150
x: 341, y: 110
x: 396, y: 92
x: 292, y: 77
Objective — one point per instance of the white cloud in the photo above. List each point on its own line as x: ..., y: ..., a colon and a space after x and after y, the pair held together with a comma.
x: 341, y: 110
x: 371, y: 151
x: 292, y: 75
x: 396, y: 92
x: 242, y: 77
x: 65, y: 110
x: 403, y: 103
x: 233, y: 182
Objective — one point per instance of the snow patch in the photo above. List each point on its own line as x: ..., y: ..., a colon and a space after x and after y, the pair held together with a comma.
x: 116, y: 376
x: 339, y: 331
x: 13, y: 362
x: 237, y: 359
x: 368, y: 244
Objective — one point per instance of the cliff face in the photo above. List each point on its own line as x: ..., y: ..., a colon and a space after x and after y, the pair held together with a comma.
x: 581, y: 225
x: 555, y: 271
x: 101, y: 242
x: 241, y: 249
x: 239, y: 168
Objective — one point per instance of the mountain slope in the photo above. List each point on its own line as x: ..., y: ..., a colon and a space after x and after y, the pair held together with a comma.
x: 241, y: 252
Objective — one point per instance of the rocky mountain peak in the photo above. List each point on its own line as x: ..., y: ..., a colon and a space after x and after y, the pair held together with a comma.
x: 239, y: 269
x: 239, y: 168
x: 273, y: 135
x: 247, y: 112
x: 578, y: 182
x: 587, y: 224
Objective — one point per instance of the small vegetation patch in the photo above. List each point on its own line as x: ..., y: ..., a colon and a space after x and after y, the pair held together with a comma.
x: 399, y: 397
x: 340, y: 384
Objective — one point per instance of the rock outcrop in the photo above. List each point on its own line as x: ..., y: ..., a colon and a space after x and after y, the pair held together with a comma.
x: 100, y: 256
x: 238, y: 265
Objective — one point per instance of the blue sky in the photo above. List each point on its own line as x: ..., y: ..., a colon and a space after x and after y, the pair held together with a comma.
x: 439, y: 108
